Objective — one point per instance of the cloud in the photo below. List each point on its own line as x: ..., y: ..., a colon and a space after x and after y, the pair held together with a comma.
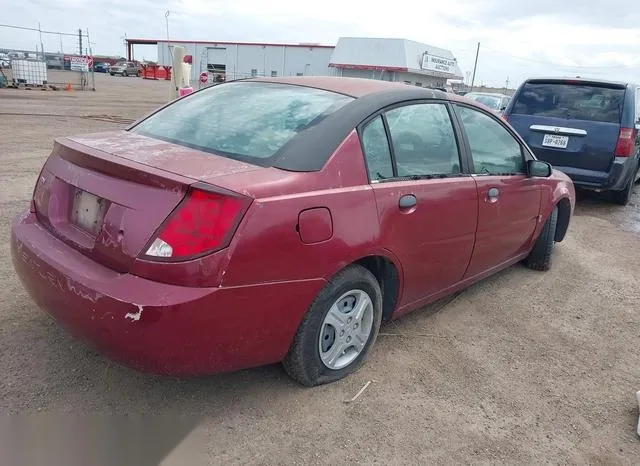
x: 518, y: 39
x: 590, y: 12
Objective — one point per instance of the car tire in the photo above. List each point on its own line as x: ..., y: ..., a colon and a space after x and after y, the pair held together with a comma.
x: 124, y: 74
x: 622, y: 197
x: 540, y: 256
x: 345, y: 312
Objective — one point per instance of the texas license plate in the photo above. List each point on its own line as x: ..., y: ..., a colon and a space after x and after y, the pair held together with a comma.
x: 87, y: 211
x: 553, y: 140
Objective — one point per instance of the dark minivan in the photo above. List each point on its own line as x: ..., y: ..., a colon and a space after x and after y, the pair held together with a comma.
x: 589, y: 129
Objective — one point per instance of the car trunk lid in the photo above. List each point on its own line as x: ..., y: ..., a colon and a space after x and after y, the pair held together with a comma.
x: 107, y: 194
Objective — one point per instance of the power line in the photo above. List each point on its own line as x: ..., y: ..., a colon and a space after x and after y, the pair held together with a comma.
x: 558, y: 65
x: 38, y: 30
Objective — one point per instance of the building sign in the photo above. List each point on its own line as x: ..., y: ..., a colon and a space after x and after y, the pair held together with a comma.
x: 438, y: 64
x: 81, y: 63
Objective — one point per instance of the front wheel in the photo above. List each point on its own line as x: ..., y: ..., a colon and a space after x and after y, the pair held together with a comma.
x: 540, y: 256
x: 338, y: 330
x: 124, y: 74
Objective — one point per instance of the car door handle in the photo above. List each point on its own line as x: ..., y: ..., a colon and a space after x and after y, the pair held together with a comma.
x: 407, y: 202
x: 492, y: 195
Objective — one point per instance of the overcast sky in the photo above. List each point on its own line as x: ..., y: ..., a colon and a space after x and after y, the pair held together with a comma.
x: 518, y: 38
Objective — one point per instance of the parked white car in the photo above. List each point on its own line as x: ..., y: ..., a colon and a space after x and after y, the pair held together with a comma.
x: 495, y: 101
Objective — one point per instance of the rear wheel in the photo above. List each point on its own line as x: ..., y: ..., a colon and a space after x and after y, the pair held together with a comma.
x: 540, y: 256
x: 338, y: 330
x: 622, y: 197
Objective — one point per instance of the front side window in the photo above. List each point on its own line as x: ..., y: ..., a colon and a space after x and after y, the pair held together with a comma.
x: 242, y: 120
x: 376, y: 150
x: 493, y: 149
x: 423, y: 139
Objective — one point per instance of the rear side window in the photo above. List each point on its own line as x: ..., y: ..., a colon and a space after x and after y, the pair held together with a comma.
x: 376, y: 150
x: 242, y: 120
x: 570, y: 101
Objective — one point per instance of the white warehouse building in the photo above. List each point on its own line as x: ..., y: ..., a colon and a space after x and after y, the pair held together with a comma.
x: 394, y: 60
x: 374, y: 58
x: 237, y: 60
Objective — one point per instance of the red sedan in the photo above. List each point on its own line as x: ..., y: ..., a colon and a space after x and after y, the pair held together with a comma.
x: 274, y: 220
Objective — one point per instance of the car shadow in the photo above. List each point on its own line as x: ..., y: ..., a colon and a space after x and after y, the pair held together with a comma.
x: 56, y: 372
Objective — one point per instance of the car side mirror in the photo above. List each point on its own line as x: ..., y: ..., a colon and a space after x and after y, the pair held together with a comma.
x: 538, y: 168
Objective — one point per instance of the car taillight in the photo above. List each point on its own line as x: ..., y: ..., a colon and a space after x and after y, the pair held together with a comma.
x: 626, y: 142
x: 203, y: 223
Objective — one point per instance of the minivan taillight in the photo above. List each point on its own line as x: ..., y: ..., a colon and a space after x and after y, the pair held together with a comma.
x: 203, y: 223
x: 626, y: 142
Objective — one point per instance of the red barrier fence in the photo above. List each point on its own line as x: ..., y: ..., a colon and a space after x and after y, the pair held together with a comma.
x: 156, y: 72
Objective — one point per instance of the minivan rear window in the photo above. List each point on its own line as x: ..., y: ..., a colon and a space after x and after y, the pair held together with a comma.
x: 249, y: 121
x: 570, y: 101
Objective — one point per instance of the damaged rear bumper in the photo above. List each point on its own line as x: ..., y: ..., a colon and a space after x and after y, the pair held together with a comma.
x: 156, y: 327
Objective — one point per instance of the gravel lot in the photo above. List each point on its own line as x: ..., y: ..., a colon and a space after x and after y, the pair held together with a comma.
x: 525, y: 367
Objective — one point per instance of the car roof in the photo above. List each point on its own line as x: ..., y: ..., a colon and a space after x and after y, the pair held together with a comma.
x: 580, y: 80
x: 310, y: 149
x: 354, y: 87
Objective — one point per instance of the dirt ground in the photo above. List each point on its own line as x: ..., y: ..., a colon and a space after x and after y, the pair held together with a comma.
x: 525, y: 367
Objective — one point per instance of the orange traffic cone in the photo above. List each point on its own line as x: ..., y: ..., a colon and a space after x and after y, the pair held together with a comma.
x: 68, y: 87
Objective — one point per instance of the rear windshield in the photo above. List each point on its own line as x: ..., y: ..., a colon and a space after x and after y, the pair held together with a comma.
x: 571, y: 101
x: 242, y: 120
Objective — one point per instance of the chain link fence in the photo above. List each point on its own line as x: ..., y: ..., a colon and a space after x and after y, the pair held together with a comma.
x: 59, y: 60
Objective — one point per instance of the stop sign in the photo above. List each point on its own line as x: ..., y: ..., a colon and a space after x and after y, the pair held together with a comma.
x: 204, y: 77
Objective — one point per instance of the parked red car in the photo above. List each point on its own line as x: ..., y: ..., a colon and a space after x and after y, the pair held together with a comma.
x: 280, y: 219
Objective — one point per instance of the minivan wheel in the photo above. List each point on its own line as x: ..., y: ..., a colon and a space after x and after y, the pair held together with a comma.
x: 338, y: 330
x: 622, y: 197
x: 540, y: 256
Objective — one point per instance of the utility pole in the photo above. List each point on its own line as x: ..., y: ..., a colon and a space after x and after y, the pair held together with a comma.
x: 473, y: 80
x: 41, y: 45
x: 166, y: 18
x: 80, y: 41
x: 93, y: 75
x: 506, y: 84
